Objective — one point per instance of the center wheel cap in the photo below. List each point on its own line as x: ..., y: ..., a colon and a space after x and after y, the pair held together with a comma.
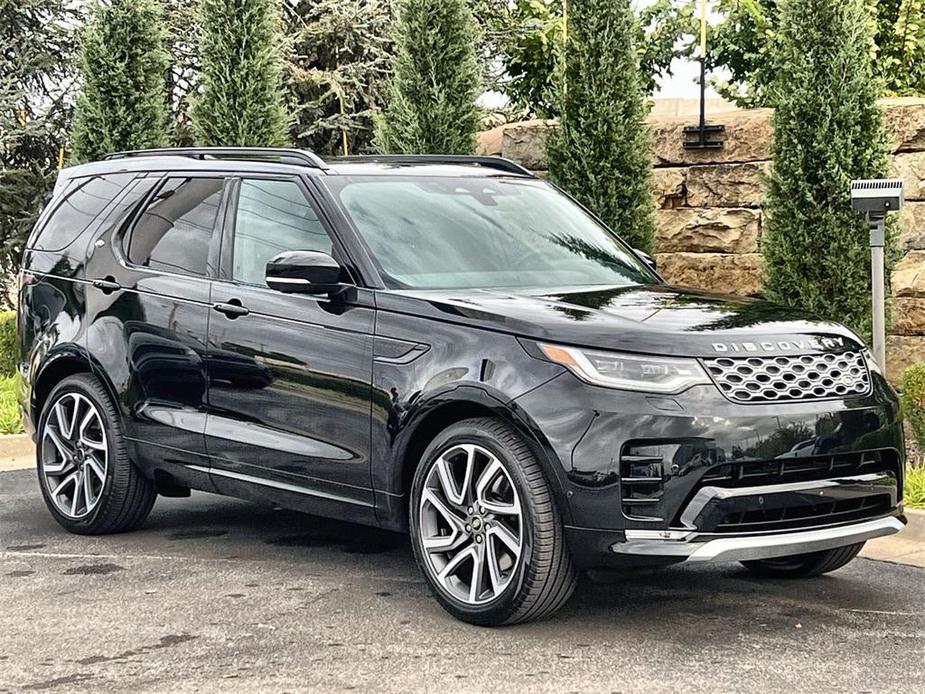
x: 476, y: 524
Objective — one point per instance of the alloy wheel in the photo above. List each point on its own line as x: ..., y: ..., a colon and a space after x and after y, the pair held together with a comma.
x: 74, y: 455
x: 471, y: 524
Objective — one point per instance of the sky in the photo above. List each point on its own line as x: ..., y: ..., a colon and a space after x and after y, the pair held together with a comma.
x: 683, y: 83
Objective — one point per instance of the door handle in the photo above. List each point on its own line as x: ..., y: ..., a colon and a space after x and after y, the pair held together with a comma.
x: 231, y: 308
x: 107, y: 284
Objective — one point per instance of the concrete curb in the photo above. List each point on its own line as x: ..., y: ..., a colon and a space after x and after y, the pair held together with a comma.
x: 16, y: 446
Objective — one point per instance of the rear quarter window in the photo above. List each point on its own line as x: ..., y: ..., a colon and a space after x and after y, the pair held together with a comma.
x: 79, y: 208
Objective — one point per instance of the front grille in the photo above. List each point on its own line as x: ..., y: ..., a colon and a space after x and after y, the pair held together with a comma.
x: 753, y: 473
x: 808, y: 515
x: 786, y: 378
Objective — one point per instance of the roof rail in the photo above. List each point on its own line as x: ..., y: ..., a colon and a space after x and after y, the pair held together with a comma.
x: 299, y: 157
x: 498, y: 163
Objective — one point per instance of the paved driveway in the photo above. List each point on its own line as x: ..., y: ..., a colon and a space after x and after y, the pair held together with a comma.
x: 220, y: 595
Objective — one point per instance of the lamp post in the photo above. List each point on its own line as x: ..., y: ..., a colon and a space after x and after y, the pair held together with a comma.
x: 875, y: 198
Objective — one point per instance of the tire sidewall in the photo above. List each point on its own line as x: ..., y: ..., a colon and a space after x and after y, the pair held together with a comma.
x: 507, y: 603
x: 77, y: 384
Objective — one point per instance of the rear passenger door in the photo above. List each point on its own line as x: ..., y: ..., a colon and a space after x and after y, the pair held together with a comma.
x: 150, y: 312
x: 289, y: 393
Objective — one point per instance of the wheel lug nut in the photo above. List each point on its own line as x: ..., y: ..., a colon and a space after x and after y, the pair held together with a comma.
x: 478, y: 538
x: 468, y: 528
x: 469, y: 510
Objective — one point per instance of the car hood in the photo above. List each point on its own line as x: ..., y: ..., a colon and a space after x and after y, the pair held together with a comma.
x: 651, y: 319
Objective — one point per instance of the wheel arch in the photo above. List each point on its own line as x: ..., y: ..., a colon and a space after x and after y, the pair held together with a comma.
x: 65, y: 362
x: 459, y: 404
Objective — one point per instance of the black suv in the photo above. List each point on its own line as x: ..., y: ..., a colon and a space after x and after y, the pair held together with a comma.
x: 442, y: 345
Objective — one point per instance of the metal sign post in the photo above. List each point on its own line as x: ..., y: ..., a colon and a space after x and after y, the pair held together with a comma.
x: 875, y: 198
x: 878, y: 315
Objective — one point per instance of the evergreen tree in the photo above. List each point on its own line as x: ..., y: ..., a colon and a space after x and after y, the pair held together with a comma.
x: 36, y: 74
x: 339, y: 63
x: 828, y: 130
x: 600, y: 152
x: 122, y: 64
x: 242, y: 101
x: 436, y: 79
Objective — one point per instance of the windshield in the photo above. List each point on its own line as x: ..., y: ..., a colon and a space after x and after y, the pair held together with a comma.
x: 429, y: 232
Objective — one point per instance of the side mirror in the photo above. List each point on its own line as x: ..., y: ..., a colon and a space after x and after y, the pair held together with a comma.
x: 647, y: 259
x: 304, y: 272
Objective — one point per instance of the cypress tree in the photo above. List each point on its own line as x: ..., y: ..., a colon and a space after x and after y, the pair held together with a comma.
x: 122, y: 102
x: 242, y: 101
x: 436, y: 79
x: 828, y: 130
x: 600, y: 152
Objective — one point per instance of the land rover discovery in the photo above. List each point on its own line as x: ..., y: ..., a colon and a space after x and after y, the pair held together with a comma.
x: 442, y: 345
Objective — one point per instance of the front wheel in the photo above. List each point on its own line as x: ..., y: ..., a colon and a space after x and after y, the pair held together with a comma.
x: 485, y: 528
x: 804, y: 565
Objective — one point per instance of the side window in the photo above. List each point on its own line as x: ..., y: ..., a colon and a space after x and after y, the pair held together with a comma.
x: 175, y: 231
x: 78, y: 210
x: 272, y: 217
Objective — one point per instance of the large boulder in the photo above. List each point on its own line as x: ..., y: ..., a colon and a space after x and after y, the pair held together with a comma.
x: 525, y: 142
x: 669, y: 186
x: 908, y: 279
x: 488, y: 142
x: 726, y: 185
x: 912, y: 226
x: 910, y: 167
x: 902, y: 351
x: 707, y: 230
x: 907, y: 316
x: 747, y: 137
x: 904, y: 118
x: 726, y: 273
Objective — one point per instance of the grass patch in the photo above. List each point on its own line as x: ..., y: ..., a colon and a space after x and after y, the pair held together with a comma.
x: 915, y: 487
x: 10, y: 421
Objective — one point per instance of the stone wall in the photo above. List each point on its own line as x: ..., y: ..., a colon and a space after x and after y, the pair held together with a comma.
x: 709, y: 206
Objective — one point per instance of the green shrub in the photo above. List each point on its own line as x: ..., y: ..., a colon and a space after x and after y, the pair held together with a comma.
x: 914, y: 491
x: 600, y: 154
x: 913, y: 400
x: 828, y: 130
x: 430, y: 98
x: 10, y: 420
x: 122, y: 103
x: 7, y: 343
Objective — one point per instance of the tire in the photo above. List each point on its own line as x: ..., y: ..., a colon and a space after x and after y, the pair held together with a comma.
x: 804, y: 565
x: 508, y: 486
x: 81, y: 453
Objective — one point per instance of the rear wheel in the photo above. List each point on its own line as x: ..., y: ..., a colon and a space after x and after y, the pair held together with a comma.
x: 485, y: 528
x: 87, y: 480
x: 804, y: 565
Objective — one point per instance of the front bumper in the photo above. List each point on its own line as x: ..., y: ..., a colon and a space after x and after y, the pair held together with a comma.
x: 695, y: 468
x: 691, y: 546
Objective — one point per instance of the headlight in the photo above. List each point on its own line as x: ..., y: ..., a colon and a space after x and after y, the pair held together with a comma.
x: 629, y: 371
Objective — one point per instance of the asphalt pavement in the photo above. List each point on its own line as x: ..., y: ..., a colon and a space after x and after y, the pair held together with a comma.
x: 219, y: 595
